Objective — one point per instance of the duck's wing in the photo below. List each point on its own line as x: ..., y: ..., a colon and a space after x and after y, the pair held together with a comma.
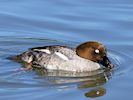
x: 56, y: 53
x: 54, y: 49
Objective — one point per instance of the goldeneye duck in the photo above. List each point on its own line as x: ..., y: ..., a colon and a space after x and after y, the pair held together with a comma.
x: 88, y: 56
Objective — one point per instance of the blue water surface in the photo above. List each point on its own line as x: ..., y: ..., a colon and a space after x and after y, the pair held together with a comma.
x: 29, y: 23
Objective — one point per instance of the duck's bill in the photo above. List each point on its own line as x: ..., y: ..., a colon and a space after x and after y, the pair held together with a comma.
x: 106, y: 62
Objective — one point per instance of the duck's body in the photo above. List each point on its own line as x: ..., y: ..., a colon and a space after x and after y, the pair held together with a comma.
x: 58, y: 58
x: 86, y: 57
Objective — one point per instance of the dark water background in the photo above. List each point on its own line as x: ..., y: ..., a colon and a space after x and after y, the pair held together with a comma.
x: 30, y: 23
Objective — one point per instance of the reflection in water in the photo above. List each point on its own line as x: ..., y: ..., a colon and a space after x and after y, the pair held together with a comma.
x: 96, y: 92
x: 94, y: 80
x: 97, y: 84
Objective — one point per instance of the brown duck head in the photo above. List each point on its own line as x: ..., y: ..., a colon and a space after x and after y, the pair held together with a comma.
x: 94, y: 51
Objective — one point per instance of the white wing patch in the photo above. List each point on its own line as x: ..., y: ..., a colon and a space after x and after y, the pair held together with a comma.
x: 61, y: 56
x: 43, y: 50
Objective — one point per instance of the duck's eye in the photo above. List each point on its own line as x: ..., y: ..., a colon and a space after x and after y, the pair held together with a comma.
x: 97, y: 51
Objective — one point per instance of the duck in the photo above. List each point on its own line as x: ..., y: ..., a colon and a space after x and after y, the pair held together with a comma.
x: 86, y: 57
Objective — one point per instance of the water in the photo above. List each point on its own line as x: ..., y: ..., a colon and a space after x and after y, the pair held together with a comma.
x: 25, y: 24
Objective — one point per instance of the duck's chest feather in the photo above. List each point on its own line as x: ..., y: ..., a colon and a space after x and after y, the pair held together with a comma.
x: 63, y: 58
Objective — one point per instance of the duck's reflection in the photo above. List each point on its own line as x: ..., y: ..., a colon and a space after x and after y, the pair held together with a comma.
x: 96, y: 86
x: 93, y: 82
x: 96, y: 92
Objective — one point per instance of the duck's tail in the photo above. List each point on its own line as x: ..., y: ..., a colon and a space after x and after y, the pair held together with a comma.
x: 24, y: 57
x: 16, y: 58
